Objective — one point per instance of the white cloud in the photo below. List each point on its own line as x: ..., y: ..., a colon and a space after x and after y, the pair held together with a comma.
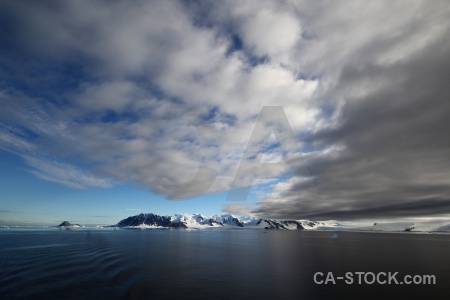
x: 114, y: 96
x: 270, y: 32
x: 65, y: 174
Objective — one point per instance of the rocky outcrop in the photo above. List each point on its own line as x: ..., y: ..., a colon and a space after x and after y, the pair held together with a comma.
x: 68, y: 224
x: 275, y: 224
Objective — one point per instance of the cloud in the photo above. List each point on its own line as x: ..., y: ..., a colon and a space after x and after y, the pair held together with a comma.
x: 390, y: 144
x: 239, y: 209
x: 136, y: 95
x: 155, y: 94
x: 64, y: 173
x: 266, y: 29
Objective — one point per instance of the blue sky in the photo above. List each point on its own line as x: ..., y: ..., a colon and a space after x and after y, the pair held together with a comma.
x: 27, y: 199
x: 110, y: 109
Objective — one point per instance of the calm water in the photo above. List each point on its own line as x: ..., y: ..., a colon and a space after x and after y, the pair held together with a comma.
x: 214, y: 264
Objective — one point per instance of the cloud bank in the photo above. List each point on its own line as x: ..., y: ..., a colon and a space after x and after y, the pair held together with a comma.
x: 166, y: 94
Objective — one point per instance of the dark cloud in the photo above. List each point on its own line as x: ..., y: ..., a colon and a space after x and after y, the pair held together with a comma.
x: 395, y: 147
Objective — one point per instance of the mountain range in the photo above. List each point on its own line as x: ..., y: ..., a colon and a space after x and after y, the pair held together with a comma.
x: 199, y: 221
x: 150, y: 220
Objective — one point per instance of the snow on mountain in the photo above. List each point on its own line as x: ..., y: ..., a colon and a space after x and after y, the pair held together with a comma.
x: 273, y: 224
x: 290, y: 224
x: 150, y: 220
x: 179, y: 221
x: 198, y: 221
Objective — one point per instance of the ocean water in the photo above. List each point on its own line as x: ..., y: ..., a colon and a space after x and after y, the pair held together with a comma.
x: 215, y: 264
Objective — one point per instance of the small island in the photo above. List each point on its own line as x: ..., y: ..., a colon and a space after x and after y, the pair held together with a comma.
x: 67, y: 224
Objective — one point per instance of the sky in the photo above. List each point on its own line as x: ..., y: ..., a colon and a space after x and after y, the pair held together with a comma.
x: 274, y: 109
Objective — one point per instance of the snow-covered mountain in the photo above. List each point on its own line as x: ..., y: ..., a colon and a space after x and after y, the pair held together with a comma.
x: 198, y: 221
x: 179, y: 221
x: 149, y: 220
x: 287, y: 224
